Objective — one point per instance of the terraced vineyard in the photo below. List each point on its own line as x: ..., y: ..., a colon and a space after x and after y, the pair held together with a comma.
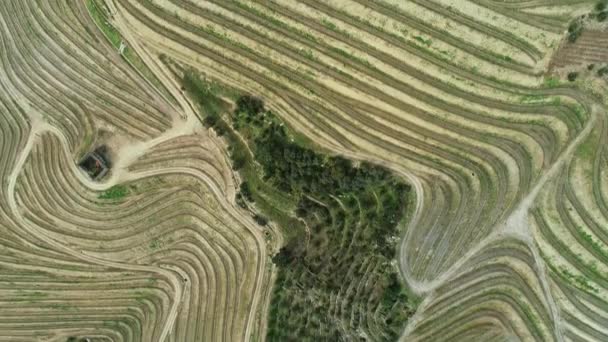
x: 590, y: 49
x: 302, y: 170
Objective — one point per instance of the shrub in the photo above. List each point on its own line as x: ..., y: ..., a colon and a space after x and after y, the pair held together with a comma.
x: 602, y: 71
x: 572, y: 76
x: 573, y: 36
x: 246, y: 191
x: 602, y: 16
x: 574, y: 31
x: 286, y: 255
x: 240, y: 201
x: 590, y: 67
x: 574, y: 26
x: 239, y: 159
x: 261, y: 220
x: 210, y: 120
x: 249, y: 104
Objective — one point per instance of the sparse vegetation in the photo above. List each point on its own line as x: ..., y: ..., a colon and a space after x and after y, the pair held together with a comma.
x: 115, y: 192
x: 551, y: 82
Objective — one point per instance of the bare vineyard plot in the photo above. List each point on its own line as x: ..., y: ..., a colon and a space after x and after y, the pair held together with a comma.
x: 590, y: 48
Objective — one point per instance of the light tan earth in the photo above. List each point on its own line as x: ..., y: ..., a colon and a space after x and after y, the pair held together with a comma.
x: 507, y: 220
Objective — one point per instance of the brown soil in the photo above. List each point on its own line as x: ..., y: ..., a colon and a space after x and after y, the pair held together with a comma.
x: 590, y: 48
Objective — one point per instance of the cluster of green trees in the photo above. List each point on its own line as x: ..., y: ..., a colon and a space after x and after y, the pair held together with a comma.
x: 337, y: 219
x: 575, y: 29
x: 601, y: 10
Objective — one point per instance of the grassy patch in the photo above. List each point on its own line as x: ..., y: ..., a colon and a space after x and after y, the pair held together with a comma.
x: 551, y: 82
x: 587, y: 149
x: 330, y: 25
x: 101, y: 18
x: 578, y: 280
x: 155, y: 244
x: 115, y: 192
x: 426, y: 42
x: 533, y: 99
x: 337, y: 219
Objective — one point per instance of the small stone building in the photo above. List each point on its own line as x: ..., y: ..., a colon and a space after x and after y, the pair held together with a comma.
x: 96, y: 164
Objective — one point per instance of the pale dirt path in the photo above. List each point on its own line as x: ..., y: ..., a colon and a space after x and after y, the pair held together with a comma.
x: 515, y: 226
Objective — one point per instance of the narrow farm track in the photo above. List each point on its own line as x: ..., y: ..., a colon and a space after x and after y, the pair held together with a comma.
x: 504, y: 238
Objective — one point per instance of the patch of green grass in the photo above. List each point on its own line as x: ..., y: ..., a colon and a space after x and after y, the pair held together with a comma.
x: 308, y: 54
x: 551, y: 82
x: 206, y: 95
x: 101, y: 18
x: 533, y: 98
x: 330, y: 25
x: 115, y: 192
x: 587, y: 149
x: 155, y: 244
x: 62, y: 306
x: 598, y: 247
x: 426, y: 42
x: 579, y: 280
